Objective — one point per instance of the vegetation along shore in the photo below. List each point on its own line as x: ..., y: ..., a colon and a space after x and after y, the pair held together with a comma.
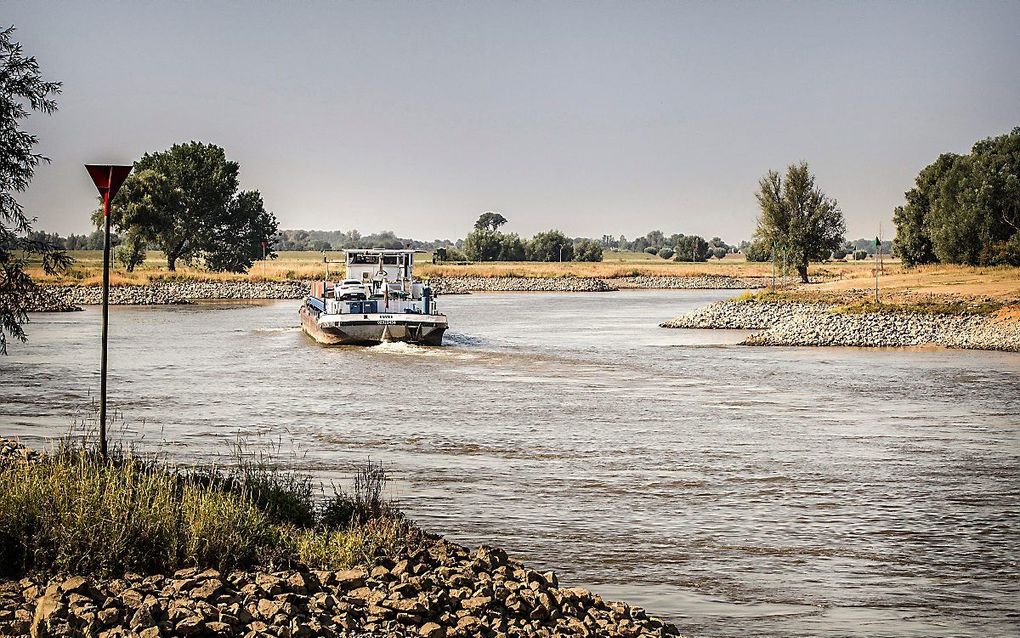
x: 137, y: 547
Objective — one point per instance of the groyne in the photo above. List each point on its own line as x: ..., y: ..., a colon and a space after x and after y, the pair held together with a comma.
x: 463, y: 285
x: 789, y: 323
x: 62, y: 298
x: 697, y: 282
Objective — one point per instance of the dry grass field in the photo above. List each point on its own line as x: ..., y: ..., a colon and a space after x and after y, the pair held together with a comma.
x: 834, y: 278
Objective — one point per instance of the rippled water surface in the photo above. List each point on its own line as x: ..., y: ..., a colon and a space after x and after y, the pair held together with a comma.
x: 737, y: 490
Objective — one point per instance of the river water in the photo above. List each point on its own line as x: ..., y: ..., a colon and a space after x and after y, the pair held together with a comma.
x: 736, y: 490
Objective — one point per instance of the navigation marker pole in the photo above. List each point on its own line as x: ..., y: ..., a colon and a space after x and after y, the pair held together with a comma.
x: 773, y: 266
x: 107, y: 179
x: 878, y: 257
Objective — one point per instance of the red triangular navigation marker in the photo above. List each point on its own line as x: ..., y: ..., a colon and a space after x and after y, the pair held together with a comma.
x: 108, y: 178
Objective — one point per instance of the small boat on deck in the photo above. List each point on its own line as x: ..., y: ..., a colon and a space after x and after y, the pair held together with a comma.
x: 378, y: 301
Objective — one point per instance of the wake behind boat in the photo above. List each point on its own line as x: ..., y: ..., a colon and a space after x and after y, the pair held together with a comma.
x: 378, y: 301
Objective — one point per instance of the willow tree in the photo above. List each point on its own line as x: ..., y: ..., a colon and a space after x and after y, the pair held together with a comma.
x: 22, y: 90
x: 797, y: 218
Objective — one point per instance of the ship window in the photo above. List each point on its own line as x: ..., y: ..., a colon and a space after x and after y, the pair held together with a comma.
x: 390, y: 260
x: 364, y: 259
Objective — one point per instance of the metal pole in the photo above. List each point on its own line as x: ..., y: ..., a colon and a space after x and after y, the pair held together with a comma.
x: 106, y: 320
x: 773, y: 266
x: 876, y: 272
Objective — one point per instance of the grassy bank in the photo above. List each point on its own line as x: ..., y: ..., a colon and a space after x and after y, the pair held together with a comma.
x: 69, y: 511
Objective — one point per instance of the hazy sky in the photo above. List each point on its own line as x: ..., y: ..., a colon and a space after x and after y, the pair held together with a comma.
x: 591, y: 117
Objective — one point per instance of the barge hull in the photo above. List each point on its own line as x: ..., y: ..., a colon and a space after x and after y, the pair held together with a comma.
x: 373, y: 330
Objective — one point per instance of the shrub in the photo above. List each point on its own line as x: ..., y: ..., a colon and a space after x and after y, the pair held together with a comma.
x: 719, y: 252
x: 651, y: 250
x: 758, y: 251
x: 839, y: 253
x: 860, y: 254
x: 666, y: 253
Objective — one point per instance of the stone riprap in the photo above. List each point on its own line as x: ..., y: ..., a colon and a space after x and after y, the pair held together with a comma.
x: 783, y: 323
x: 432, y: 588
x: 438, y: 590
x: 702, y: 282
x: 55, y: 298
x: 67, y: 298
x: 464, y: 285
x: 745, y: 315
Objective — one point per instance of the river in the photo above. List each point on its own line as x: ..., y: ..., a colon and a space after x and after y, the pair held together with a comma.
x: 736, y: 490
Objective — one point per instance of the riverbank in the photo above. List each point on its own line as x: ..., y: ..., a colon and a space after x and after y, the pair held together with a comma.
x: 783, y: 322
x: 98, y: 584
x: 62, y: 298
x: 53, y: 298
x: 464, y: 285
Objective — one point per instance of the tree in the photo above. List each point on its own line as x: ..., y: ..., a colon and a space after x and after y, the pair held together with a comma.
x: 964, y: 209
x: 551, y: 245
x: 913, y: 239
x: 512, y: 247
x: 22, y: 90
x: 758, y: 251
x: 185, y: 201
x: 490, y: 221
x: 798, y: 217
x: 691, y: 248
x: 588, y: 250
x: 483, y: 244
x: 719, y: 252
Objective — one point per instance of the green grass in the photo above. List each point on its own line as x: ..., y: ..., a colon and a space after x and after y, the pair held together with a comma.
x: 72, y: 512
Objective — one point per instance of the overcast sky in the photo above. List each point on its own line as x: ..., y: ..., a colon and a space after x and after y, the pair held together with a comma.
x: 590, y: 117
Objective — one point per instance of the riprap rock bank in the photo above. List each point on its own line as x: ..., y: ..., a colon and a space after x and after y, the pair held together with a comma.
x: 788, y: 323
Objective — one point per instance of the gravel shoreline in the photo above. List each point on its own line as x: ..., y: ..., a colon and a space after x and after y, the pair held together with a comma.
x: 786, y: 323
x: 431, y: 589
x: 69, y: 298
x: 61, y: 298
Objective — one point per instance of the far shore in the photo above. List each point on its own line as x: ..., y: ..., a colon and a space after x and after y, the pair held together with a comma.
x: 833, y: 280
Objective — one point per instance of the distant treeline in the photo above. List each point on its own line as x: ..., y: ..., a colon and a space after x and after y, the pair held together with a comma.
x: 678, y: 246
x: 92, y: 241
x: 338, y: 240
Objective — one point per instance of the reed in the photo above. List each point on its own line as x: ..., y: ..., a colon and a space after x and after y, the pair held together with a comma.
x: 70, y: 511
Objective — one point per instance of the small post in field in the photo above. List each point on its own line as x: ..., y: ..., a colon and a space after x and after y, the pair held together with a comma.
x: 878, y: 257
x: 107, y: 179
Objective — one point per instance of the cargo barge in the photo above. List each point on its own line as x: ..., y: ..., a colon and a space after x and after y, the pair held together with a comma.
x: 379, y: 301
